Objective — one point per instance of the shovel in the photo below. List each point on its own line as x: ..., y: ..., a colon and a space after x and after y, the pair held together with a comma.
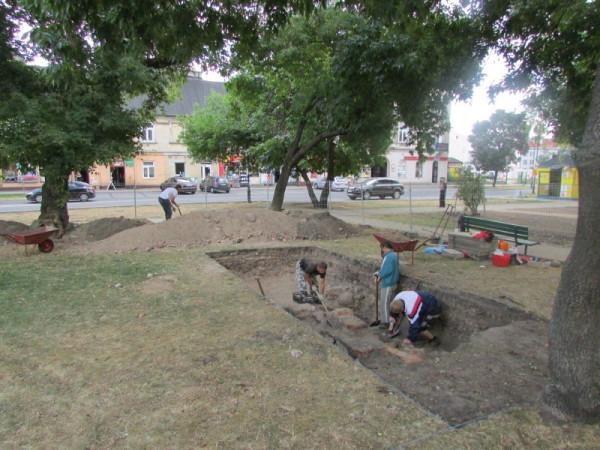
x: 376, y: 322
x: 324, y: 304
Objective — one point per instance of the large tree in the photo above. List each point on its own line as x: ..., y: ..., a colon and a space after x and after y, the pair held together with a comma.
x: 100, y: 54
x: 342, y: 75
x: 553, y: 49
x: 497, y: 141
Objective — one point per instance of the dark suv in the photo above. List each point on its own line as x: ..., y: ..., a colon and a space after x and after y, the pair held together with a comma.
x: 375, y: 187
x: 215, y: 184
x: 78, y: 190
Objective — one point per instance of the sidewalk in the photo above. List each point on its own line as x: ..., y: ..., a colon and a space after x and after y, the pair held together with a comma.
x: 543, y: 250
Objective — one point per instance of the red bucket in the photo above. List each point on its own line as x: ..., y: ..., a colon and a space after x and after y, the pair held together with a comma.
x: 501, y: 260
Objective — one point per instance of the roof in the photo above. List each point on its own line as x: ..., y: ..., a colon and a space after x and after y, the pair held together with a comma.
x: 454, y: 160
x: 557, y: 162
x: 194, y: 92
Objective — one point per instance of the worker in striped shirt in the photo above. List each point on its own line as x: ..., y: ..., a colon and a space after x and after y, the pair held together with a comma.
x: 420, y: 308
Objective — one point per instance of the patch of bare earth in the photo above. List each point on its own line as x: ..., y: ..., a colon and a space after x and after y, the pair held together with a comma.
x: 463, y: 379
x: 99, y: 229
x: 227, y: 226
x: 552, y: 226
x: 10, y: 226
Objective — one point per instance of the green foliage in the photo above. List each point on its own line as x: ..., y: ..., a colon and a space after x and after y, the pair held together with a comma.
x: 552, y: 48
x: 219, y: 130
x: 496, y: 141
x: 73, y: 113
x: 471, y: 190
x: 339, y: 74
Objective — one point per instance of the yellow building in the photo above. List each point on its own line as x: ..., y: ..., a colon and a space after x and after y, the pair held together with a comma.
x: 163, y: 155
x: 558, y: 178
x: 454, y: 168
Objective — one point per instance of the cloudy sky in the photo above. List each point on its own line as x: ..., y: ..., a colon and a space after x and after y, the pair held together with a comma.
x: 464, y: 114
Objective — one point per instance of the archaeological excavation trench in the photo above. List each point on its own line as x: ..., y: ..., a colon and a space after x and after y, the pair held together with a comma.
x: 491, y: 356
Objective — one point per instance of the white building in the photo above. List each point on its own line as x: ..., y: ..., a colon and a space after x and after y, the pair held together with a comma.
x: 403, y: 160
x: 523, y: 170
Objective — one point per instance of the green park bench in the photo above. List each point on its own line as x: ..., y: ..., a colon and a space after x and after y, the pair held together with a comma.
x: 518, y: 234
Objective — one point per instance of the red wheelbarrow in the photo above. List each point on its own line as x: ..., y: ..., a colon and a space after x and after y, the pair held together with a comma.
x: 39, y: 236
x: 399, y: 247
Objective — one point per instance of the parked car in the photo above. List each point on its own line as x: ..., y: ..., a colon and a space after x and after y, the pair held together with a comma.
x: 215, y: 184
x: 78, y: 190
x: 339, y: 184
x: 375, y: 187
x: 320, y: 183
x: 10, y: 178
x: 188, y: 186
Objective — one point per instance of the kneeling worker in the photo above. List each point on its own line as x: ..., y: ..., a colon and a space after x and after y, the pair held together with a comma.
x: 420, y: 308
x: 306, y: 277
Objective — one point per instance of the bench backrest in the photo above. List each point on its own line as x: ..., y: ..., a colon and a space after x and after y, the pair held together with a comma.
x: 517, y: 232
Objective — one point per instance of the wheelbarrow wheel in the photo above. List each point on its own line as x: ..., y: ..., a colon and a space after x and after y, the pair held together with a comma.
x: 46, y: 246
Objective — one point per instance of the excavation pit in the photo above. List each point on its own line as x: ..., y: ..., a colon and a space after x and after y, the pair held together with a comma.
x: 492, y: 356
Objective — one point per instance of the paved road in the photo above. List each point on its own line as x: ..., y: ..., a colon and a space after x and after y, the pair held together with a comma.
x: 293, y: 194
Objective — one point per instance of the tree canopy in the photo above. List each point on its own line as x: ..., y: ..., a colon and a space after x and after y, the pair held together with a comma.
x: 341, y: 75
x: 73, y: 113
x: 497, y: 141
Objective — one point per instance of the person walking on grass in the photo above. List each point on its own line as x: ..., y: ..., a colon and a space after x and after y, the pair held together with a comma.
x: 420, y: 308
x: 167, y: 200
x: 386, y: 280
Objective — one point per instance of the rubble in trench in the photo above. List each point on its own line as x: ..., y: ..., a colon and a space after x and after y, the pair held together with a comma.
x: 491, y: 356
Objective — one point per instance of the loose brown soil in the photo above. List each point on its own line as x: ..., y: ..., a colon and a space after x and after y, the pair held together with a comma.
x: 492, y: 356
x: 228, y: 226
x: 9, y: 226
x: 101, y: 229
x: 552, y: 226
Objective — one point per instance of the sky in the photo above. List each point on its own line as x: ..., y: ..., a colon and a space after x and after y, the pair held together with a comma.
x: 463, y: 115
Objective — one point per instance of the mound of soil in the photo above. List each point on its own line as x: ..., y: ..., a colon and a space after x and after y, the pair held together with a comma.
x: 100, y: 229
x: 228, y: 226
x: 8, y: 226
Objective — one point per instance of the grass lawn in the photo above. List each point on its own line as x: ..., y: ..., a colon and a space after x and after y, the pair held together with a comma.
x: 167, y: 349
x: 188, y: 358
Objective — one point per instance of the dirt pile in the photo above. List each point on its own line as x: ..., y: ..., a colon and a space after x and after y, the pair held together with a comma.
x: 9, y: 226
x: 228, y: 226
x: 102, y: 229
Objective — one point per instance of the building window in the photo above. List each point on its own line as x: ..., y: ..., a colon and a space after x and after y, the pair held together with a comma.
x: 419, y: 170
x: 148, y: 133
x: 402, y: 137
x: 149, y: 169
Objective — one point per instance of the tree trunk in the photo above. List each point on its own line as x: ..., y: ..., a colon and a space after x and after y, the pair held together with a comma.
x: 495, y: 178
x: 309, y: 188
x: 574, y: 333
x: 330, y: 174
x: 55, y: 194
x: 280, y: 187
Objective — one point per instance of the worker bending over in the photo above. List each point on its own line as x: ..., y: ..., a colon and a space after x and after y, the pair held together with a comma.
x: 307, y: 273
x: 420, y: 308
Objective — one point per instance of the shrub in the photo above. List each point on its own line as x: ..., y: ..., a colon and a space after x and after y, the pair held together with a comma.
x: 471, y: 190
